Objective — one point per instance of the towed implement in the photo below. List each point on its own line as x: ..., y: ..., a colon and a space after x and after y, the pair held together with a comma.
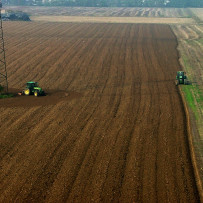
x: 32, y: 88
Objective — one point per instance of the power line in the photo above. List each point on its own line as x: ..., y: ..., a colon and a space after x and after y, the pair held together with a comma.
x: 3, y: 72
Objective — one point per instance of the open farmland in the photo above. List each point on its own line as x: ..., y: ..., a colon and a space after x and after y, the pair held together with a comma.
x: 91, y: 19
x: 190, y: 47
x: 116, y: 131
x: 198, y: 12
x: 108, y: 15
x: 108, y: 12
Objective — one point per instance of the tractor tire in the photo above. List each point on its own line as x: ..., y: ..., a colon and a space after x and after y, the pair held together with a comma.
x: 36, y: 94
x: 27, y: 92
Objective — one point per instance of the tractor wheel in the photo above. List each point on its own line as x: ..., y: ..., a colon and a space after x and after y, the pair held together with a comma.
x: 36, y: 94
x: 27, y: 92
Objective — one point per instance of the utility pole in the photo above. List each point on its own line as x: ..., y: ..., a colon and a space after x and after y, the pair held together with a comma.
x: 3, y: 72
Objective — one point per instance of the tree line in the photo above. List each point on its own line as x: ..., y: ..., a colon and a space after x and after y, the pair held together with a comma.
x: 110, y: 3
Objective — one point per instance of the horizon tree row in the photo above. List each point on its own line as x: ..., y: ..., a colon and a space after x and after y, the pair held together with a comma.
x: 109, y: 3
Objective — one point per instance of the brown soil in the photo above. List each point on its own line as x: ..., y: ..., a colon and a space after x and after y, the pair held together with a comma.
x: 50, y: 98
x: 122, y: 138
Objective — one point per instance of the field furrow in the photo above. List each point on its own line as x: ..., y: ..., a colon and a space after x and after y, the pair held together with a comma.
x: 112, y: 126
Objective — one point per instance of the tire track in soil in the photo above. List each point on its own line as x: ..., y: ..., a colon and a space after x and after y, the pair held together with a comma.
x: 115, y: 142
x: 107, y: 62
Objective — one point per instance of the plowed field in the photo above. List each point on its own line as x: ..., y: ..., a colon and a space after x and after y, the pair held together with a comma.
x: 105, y: 11
x: 112, y: 127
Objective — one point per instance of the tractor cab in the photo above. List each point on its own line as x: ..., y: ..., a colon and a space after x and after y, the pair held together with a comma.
x: 181, y: 78
x: 31, y: 85
x: 180, y: 74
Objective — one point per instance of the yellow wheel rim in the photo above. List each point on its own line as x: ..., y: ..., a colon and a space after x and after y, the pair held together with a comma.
x: 27, y: 92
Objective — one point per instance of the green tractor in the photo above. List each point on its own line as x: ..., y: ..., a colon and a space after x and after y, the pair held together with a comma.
x: 181, y: 78
x: 33, y: 88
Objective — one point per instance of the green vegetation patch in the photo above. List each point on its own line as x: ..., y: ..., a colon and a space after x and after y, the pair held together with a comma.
x: 4, y: 96
x: 194, y: 42
x: 194, y: 98
x: 200, y: 40
x: 193, y: 93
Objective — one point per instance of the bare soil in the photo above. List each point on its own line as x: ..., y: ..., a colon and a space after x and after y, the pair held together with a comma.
x: 120, y: 136
x: 51, y: 97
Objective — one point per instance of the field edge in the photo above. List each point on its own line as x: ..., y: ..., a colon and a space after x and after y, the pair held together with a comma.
x: 192, y: 125
x: 193, y: 154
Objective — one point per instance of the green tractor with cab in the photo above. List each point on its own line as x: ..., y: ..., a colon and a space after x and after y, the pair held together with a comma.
x: 32, y: 88
x: 181, y: 78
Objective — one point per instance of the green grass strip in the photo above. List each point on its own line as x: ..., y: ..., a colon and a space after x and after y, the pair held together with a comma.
x: 194, y: 98
x: 4, y: 96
